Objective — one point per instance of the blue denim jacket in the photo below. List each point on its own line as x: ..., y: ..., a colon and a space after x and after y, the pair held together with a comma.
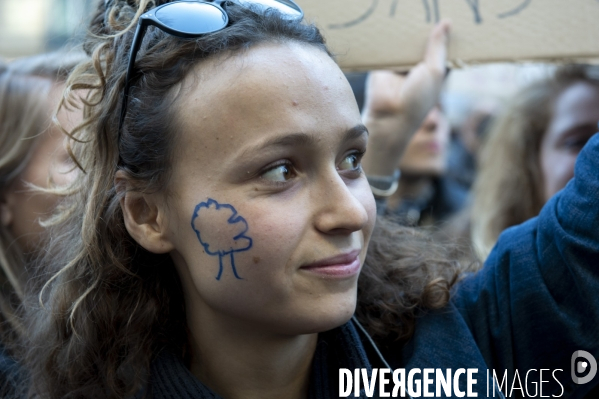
x: 535, y: 302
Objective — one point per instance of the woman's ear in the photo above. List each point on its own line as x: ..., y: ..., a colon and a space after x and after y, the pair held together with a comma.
x: 144, y: 217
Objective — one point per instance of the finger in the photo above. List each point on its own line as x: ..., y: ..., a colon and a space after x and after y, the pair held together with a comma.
x: 437, y: 45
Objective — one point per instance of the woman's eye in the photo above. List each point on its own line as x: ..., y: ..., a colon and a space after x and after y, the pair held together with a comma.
x: 279, y: 173
x: 575, y: 144
x: 351, y: 162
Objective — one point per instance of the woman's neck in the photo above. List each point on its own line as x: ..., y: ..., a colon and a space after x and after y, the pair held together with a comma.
x: 237, y: 363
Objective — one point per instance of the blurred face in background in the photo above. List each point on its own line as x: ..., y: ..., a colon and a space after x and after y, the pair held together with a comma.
x: 49, y: 165
x: 426, y: 154
x: 575, y: 116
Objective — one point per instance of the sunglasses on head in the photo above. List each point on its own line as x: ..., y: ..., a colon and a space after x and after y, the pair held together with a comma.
x: 194, y: 18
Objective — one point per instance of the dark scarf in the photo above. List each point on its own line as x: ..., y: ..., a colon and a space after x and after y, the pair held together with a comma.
x: 338, y: 348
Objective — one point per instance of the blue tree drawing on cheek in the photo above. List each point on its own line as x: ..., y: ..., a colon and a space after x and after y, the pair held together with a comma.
x: 221, y: 231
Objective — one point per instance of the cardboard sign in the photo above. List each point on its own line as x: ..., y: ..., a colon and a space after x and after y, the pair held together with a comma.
x: 368, y: 34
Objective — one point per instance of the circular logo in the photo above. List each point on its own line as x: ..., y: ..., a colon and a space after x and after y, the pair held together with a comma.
x: 579, y: 366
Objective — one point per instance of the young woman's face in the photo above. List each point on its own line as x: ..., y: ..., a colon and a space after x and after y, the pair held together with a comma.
x: 270, y: 214
x: 49, y: 164
x: 574, y: 121
x: 426, y: 153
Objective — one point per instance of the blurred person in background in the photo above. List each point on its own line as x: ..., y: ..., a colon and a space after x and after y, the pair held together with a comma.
x: 417, y: 192
x: 424, y: 196
x: 531, y: 151
x: 32, y: 156
x: 467, y: 137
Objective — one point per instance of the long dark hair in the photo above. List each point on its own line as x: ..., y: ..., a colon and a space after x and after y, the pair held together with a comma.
x: 108, y: 305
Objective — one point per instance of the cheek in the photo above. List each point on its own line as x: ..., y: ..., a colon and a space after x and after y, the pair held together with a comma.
x: 231, y: 242
x: 277, y: 233
x: 63, y: 173
x: 558, y: 169
x: 30, y: 208
x: 565, y: 171
x: 410, y: 154
x: 62, y: 169
x: 50, y: 161
x: 366, y: 198
x: 240, y: 259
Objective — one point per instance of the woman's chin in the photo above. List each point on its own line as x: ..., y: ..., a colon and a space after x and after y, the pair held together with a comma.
x: 325, y: 319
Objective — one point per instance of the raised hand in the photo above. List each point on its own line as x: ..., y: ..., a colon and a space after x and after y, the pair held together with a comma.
x: 396, y: 105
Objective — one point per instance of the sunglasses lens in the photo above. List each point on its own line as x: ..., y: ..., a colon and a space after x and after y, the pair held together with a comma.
x: 286, y: 7
x: 192, y: 18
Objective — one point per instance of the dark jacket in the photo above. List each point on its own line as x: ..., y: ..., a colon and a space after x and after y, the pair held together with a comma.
x: 531, y: 307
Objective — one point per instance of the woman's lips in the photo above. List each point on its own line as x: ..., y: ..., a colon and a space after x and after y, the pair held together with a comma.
x: 344, y: 265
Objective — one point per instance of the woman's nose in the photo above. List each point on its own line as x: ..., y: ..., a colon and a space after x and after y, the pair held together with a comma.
x: 340, y: 207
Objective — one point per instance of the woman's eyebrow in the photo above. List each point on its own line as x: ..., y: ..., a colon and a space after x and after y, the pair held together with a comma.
x: 579, y: 128
x: 307, y: 139
x: 356, y: 132
x: 303, y: 139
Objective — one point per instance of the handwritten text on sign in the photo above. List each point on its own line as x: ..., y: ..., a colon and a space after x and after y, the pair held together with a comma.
x: 392, y: 33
